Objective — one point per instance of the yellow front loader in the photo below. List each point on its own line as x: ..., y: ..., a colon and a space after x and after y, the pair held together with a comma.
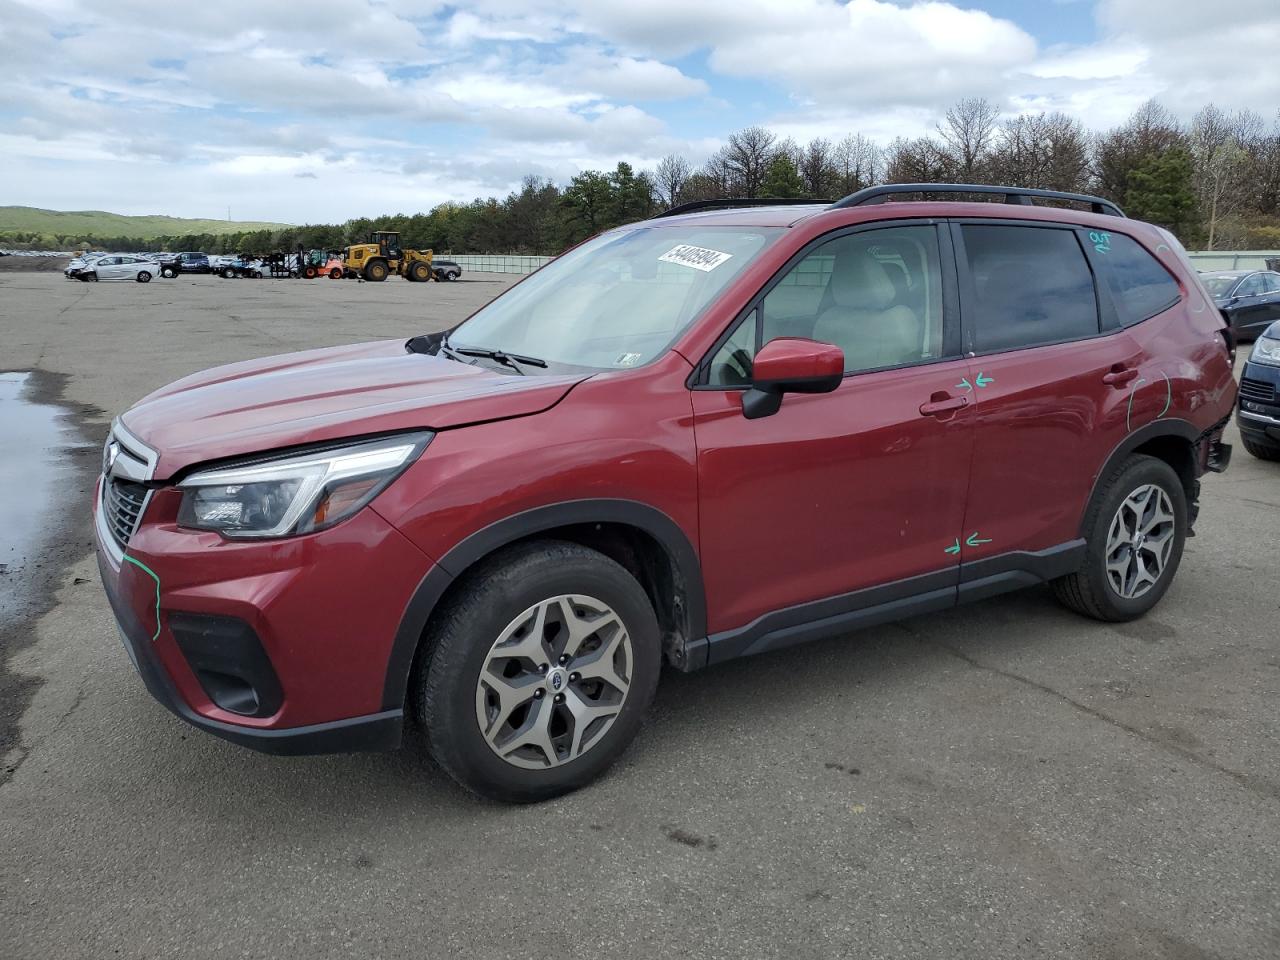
x: 382, y: 256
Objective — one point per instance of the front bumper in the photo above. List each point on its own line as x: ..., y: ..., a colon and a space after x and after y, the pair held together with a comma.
x: 380, y: 731
x: 321, y: 612
x: 1258, y: 403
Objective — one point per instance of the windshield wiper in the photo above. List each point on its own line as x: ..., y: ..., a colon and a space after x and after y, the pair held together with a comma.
x: 513, y: 360
x: 453, y: 354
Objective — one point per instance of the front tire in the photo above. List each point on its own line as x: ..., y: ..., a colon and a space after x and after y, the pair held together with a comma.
x: 143, y: 277
x: 168, y: 273
x: 1263, y: 451
x: 1135, y: 528
x: 419, y: 272
x: 537, y: 672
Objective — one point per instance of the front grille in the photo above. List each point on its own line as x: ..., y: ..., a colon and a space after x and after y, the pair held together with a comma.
x: 1257, y: 390
x: 122, y: 503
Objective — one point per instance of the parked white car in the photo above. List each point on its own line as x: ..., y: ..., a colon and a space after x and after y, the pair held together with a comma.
x: 79, y: 264
x: 121, y: 267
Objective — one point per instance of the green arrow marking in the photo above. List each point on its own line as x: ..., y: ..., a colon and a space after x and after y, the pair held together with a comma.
x: 954, y: 548
x: 964, y: 384
x: 983, y: 380
x: 973, y: 540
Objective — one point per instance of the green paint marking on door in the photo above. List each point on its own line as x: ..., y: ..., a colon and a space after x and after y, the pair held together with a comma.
x: 954, y: 548
x: 983, y: 379
x: 973, y: 540
x: 152, y: 574
x: 964, y: 384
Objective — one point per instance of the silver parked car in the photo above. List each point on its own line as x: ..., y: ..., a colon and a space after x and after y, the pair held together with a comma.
x: 120, y: 267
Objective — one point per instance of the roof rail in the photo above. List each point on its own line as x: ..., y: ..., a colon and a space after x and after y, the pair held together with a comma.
x: 1021, y: 196
x: 730, y: 202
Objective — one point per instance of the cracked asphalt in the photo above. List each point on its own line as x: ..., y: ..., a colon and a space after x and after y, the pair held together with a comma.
x: 1004, y: 780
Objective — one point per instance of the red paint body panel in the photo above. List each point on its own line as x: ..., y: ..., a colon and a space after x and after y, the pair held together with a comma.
x: 325, y: 614
x: 833, y: 493
x: 626, y: 436
x: 327, y: 394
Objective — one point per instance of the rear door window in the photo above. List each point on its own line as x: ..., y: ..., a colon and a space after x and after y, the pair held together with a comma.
x: 1251, y: 287
x: 1140, y: 285
x: 1026, y: 286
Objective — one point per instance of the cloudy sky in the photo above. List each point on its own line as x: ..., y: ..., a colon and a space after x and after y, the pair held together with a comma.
x: 327, y: 109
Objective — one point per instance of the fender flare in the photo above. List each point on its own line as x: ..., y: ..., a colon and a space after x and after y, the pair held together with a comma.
x: 485, y: 541
x: 1177, y: 428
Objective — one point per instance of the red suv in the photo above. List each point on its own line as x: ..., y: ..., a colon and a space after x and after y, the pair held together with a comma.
x: 712, y: 434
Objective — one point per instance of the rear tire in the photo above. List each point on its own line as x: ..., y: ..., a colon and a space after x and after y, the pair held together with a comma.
x: 461, y: 670
x: 168, y: 273
x: 143, y: 277
x: 1263, y: 451
x: 335, y: 273
x: 375, y: 271
x: 1132, y: 554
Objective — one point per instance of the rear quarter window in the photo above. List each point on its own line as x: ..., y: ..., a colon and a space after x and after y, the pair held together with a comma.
x: 1140, y: 285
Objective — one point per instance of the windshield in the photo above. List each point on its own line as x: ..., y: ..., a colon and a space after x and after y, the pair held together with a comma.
x: 1218, y: 284
x: 617, y: 301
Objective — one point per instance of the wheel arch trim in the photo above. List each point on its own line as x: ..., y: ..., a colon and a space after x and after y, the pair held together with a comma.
x: 1172, y: 428
x: 650, y: 520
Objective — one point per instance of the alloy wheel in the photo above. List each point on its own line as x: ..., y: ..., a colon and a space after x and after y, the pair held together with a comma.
x: 554, y: 681
x: 1140, y: 541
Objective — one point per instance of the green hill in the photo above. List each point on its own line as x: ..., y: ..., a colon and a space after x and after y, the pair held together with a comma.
x: 99, y: 223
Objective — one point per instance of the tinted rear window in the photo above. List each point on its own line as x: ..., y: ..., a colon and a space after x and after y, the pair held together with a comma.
x: 1031, y: 285
x: 1140, y: 285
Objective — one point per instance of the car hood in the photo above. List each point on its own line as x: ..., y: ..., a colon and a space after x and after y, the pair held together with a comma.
x: 328, y: 394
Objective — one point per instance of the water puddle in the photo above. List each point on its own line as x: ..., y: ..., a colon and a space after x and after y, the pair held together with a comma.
x: 43, y: 469
x: 35, y: 469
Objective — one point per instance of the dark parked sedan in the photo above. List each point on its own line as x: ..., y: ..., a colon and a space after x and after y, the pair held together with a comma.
x: 1258, y: 408
x: 1249, y: 298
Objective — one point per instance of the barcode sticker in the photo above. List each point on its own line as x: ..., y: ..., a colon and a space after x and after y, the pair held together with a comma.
x: 700, y: 258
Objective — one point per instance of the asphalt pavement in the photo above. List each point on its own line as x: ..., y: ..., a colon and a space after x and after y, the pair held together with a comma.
x: 1003, y: 780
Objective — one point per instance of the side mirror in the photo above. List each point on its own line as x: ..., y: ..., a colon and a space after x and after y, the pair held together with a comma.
x: 791, y: 365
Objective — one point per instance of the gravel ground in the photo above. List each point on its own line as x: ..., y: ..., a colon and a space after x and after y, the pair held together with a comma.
x: 1004, y: 780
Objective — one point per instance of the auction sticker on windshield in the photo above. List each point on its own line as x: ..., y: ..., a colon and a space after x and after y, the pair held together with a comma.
x: 700, y: 258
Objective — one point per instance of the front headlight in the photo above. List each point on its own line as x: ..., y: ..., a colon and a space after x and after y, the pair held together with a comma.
x: 297, y: 494
x: 1266, y: 350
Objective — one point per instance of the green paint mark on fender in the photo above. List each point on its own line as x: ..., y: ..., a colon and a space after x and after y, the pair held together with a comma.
x: 954, y: 548
x: 964, y: 384
x: 152, y: 574
x: 982, y: 379
x: 973, y: 540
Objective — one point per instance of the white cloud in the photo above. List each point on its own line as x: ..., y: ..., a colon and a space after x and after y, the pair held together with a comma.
x: 271, y: 108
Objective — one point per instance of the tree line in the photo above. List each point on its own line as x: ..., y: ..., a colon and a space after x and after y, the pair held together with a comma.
x: 1215, y: 182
